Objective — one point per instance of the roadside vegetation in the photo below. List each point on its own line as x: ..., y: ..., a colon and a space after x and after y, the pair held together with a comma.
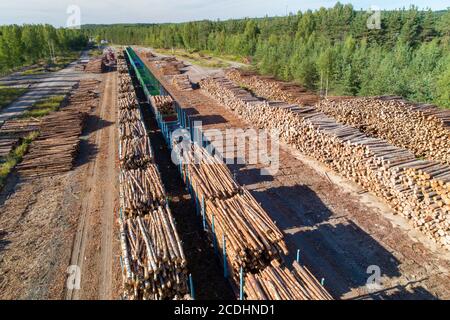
x: 196, y: 58
x: 15, y: 156
x: 44, y: 107
x: 408, y: 55
x: 9, y: 94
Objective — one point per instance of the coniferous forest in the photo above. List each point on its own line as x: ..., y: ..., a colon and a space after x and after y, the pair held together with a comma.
x: 28, y: 44
x: 408, y: 56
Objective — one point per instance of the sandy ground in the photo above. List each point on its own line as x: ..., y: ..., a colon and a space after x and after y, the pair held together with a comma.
x: 96, y: 246
x: 341, y: 231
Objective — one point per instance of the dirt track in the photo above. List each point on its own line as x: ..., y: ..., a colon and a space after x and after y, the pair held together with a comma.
x: 95, y: 244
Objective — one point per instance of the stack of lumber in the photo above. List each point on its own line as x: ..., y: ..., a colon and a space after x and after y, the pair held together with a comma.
x: 7, y: 144
x: 372, y: 162
x: 168, y: 66
x: 55, y: 148
x: 135, y: 153
x: 252, y: 238
x: 153, y: 257
x: 208, y: 175
x: 125, y: 83
x: 164, y: 104
x: 19, y: 127
x: 279, y: 283
x: 423, y: 129
x: 182, y: 82
x: 95, y: 66
x: 272, y: 89
x: 153, y: 261
x: 142, y: 190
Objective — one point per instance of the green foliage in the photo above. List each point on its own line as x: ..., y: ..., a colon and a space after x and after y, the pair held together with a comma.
x: 29, y: 44
x: 44, y: 107
x: 8, y: 95
x: 408, y: 56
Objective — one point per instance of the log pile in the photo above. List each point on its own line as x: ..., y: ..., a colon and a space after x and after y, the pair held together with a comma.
x: 153, y: 261
x: 135, y: 153
x: 209, y: 177
x: 420, y: 128
x: 168, y: 66
x: 153, y: 258
x: 272, y: 89
x: 19, y: 127
x: 182, y: 82
x: 7, y: 144
x: 56, y: 146
x: 142, y: 190
x: 279, y: 283
x: 164, y: 104
x: 95, y: 65
x: 372, y: 162
x: 252, y: 238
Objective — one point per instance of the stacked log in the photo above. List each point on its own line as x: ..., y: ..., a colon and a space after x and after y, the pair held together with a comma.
x: 279, y: 283
x: 142, y: 190
x: 168, y: 66
x: 252, y: 239
x: 95, y: 65
x: 373, y: 163
x: 182, y: 82
x: 272, y: 89
x: 209, y: 177
x: 154, y: 265
x: 135, y: 153
x: 19, y: 127
x: 164, y: 104
x: 56, y: 146
x: 419, y: 128
x: 154, y: 262
x: 7, y: 144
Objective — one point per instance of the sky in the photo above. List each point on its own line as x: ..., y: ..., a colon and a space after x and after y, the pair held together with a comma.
x: 155, y: 11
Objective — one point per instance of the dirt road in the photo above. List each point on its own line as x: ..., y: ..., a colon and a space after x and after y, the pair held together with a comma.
x: 95, y: 246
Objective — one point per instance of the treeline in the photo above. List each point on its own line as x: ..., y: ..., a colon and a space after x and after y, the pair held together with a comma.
x: 328, y: 48
x: 28, y: 44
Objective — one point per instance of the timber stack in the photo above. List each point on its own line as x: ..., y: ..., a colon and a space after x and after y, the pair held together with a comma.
x: 423, y: 129
x: 372, y: 162
x: 238, y: 224
x: 95, y: 65
x: 279, y: 283
x: 56, y: 146
x: 269, y: 88
x: 164, y: 104
x: 182, y: 82
x: 154, y: 265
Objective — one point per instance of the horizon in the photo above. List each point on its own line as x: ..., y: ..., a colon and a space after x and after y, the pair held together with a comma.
x: 112, y: 12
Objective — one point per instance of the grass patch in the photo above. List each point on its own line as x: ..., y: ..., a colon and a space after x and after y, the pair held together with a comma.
x: 196, y: 58
x: 44, y: 107
x: 15, y: 156
x: 8, y: 95
x: 34, y: 71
